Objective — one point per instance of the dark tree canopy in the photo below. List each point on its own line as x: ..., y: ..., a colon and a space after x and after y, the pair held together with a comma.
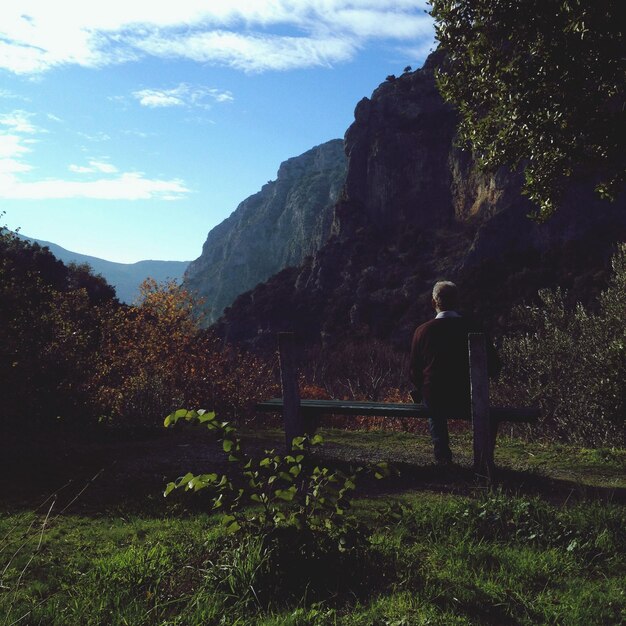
x: 50, y: 319
x: 539, y: 84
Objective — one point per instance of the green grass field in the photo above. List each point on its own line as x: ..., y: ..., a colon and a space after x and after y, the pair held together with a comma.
x: 544, y: 547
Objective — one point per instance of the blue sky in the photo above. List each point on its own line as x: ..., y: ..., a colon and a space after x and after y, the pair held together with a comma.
x: 129, y: 129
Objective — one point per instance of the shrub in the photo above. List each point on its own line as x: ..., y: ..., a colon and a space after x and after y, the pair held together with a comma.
x: 154, y: 356
x: 572, y: 361
x: 298, y: 510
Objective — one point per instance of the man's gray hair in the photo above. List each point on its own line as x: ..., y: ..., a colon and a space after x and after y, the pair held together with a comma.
x: 445, y: 295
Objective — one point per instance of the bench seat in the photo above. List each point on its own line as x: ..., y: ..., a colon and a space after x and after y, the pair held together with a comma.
x: 386, y: 409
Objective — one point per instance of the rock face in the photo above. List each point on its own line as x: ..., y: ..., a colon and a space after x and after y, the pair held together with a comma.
x: 289, y: 219
x: 415, y: 210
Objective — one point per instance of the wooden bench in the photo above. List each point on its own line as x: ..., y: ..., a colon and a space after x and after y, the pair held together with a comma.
x: 297, y: 413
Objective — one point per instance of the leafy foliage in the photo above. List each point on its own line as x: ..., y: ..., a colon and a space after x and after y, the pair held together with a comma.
x: 50, y: 323
x: 298, y: 508
x: 70, y: 353
x: 538, y: 84
x: 572, y: 362
x: 289, y: 488
x: 155, y: 356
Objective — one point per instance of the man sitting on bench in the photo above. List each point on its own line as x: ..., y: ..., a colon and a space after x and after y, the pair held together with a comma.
x: 439, y: 366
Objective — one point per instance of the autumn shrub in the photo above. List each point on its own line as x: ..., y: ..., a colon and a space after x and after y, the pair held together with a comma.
x: 367, y: 370
x: 154, y: 356
x: 572, y: 362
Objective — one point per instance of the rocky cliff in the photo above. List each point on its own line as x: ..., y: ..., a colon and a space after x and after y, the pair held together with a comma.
x: 289, y: 219
x: 415, y: 210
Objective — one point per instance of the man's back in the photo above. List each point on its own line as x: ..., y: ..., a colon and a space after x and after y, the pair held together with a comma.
x: 440, y: 361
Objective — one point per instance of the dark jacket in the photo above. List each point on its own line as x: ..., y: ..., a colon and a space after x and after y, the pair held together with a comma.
x: 440, y: 362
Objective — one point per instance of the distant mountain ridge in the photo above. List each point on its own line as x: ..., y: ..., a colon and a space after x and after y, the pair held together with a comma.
x: 125, y: 277
x: 289, y: 219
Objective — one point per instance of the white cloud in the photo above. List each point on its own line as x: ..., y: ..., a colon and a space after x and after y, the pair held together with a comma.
x: 253, y: 35
x: 96, y: 137
x: 183, y: 95
x: 12, y: 146
x: 80, y: 169
x: 128, y: 186
x: 16, y: 131
x: 252, y: 53
x: 154, y: 98
x: 137, y: 133
x: 390, y: 24
x: 18, y: 121
x: 13, y: 166
x: 94, y: 167
x: 419, y: 52
x: 9, y: 95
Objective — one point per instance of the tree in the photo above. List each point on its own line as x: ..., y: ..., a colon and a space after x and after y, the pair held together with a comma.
x: 539, y: 84
x: 50, y: 321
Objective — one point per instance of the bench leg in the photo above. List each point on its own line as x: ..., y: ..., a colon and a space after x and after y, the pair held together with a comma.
x: 483, y: 430
x: 292, y: 415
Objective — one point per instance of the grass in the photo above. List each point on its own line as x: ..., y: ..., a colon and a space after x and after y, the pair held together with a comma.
x: 426, y: 557
x: 600, y: 467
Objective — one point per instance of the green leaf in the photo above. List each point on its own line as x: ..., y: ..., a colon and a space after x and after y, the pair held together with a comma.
x: 168, y: 489
x: 297, y: 443
x: 286, y: 494
x: 184, y: 479
x: 204, y: 417
x: 173, y: 417
x: 227, y: 445
x: 233, y: 527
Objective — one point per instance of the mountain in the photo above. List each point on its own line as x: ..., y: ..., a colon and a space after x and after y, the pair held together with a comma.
x: 289, y: 219
x: 415, y: 209
x: 125, y: 277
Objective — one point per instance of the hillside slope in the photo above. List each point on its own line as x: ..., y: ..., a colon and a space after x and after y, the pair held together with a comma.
x: 125, y: 277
